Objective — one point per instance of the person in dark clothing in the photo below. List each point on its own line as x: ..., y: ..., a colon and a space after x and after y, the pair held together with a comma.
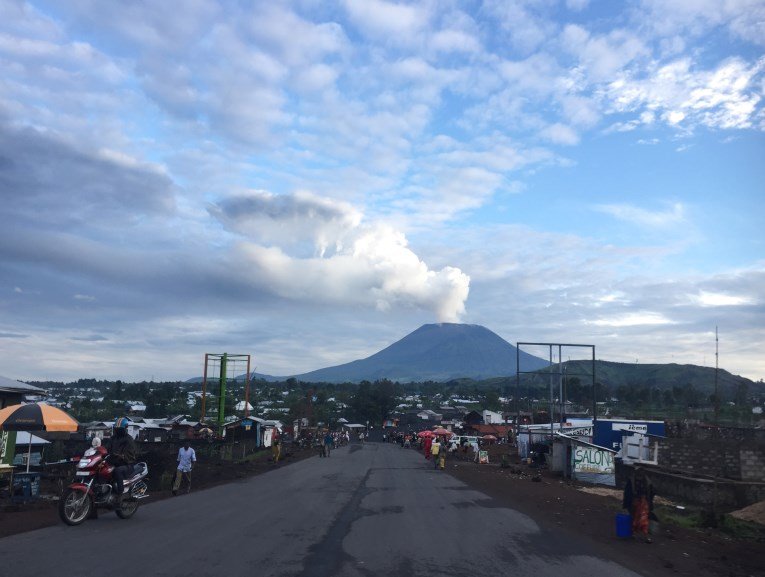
x: 122, y: 454
x: 328, y: 442
x: 638, y: 501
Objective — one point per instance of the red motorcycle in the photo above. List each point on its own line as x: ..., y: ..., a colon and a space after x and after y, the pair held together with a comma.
x: 93, y: 489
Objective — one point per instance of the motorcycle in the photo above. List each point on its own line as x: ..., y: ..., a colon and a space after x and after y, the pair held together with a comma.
x: 93, y: 489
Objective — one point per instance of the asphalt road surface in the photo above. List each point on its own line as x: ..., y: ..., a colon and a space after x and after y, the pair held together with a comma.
x: 367, y: 510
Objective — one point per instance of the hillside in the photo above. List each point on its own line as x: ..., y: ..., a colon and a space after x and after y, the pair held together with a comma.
x: 667, y: 376
x: 661, y: 376
x: 434, y: 352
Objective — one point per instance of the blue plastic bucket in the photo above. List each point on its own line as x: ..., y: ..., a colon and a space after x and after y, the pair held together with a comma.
x: 623, y: 525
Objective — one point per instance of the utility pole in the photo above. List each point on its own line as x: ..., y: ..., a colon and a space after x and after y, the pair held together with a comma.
x: 222, y: 393
x: 717, y: 369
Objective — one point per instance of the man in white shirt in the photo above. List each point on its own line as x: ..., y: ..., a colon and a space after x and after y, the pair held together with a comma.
x: 186, y: 457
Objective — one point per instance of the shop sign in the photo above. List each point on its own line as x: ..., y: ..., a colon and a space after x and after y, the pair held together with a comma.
x: 593, y: 460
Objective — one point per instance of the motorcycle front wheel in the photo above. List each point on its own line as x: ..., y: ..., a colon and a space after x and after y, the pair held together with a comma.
x: 74, y: 506
x: 127, y: 508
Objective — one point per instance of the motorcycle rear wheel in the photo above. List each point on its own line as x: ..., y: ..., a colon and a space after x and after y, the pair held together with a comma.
x: 74, y: 506
x: 127, y: 508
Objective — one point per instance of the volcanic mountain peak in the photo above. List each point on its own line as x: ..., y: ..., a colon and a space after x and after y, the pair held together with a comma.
x: 437, y: 352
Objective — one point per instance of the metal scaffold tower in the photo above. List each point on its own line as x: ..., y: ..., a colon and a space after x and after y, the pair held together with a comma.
x: 218, y: 366
x: 555, y: 371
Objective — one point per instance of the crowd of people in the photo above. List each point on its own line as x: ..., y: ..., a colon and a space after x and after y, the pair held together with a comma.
x: 435, y: 447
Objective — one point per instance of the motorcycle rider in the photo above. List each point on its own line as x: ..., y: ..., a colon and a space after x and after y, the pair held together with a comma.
x: 122, y: 454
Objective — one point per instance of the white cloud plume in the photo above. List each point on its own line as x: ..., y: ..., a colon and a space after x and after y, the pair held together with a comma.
x: 366, y: 264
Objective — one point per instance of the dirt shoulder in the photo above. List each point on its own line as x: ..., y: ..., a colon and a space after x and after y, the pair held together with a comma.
x: 562, y: 507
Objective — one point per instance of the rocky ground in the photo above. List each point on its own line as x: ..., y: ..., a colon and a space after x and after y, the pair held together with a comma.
x: 551, y: 502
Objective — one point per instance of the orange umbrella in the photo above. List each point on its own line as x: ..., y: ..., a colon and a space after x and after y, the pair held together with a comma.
x: 489, y: 438
x: 440, y: 431
x: 36, y: 417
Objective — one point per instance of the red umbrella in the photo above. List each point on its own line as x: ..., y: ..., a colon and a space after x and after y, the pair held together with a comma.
x: 426, y: 434
x: 440, y: 431
x: 489, y: 438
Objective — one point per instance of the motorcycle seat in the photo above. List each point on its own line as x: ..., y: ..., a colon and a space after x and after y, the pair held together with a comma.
x: 139, y: 468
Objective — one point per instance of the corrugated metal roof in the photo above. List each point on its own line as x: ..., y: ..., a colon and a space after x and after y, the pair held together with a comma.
x: 9, y: 385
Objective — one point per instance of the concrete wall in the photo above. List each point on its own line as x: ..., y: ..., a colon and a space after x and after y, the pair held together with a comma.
x: 728, y: 453
x: 752, y: 463
x: 722, y: 494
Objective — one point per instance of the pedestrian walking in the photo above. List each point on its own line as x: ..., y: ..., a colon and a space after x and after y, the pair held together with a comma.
x: 186, y: 458
x: 327, y: 443
x: 435, y: 449
x: 428, y: 444
x: 276, y: 449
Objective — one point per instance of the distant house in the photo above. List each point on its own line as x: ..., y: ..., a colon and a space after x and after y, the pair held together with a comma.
x: 150, y: 430
x: 242, y: 405
x: 183, y: 429
x: 492, y: 417
x: 135, y: 408
x: 100, y: 429
x: 244, y: 428
x: 473, y: 418
x: 500, y: 431
x: 451, y: 413
x: 428, y: 415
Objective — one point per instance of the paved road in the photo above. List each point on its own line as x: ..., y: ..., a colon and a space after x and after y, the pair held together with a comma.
x: 368, y: 510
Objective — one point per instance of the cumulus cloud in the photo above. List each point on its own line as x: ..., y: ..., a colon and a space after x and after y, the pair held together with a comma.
x: 560, y: 134
x: 725, y: 97
x: 368, y: 264
x: 602, y: 56
x: 391, y: 20
x: 744, y: 19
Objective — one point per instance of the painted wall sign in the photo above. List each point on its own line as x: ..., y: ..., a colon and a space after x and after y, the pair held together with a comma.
x: 608, y: 433
x: 592, y: 460
x: 630, y: 427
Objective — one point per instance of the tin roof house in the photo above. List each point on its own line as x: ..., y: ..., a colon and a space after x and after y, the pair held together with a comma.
x: 13, y: 392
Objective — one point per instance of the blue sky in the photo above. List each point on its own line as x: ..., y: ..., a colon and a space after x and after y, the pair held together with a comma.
x: 309, y: 181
